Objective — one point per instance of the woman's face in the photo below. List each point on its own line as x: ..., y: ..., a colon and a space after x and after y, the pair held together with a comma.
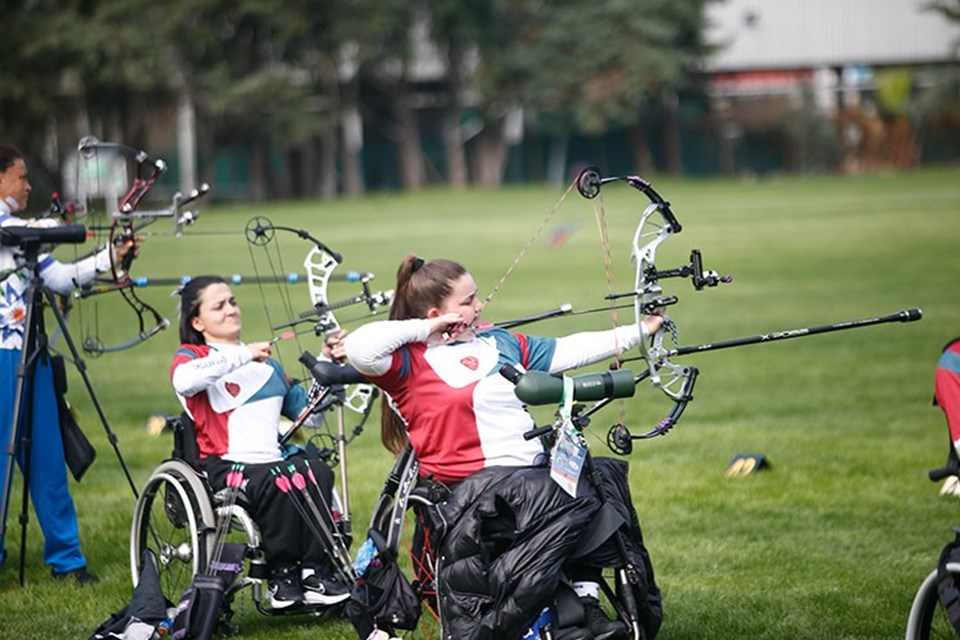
x: 462, y: 300
x: 218, y: 318
x: 15, y: 185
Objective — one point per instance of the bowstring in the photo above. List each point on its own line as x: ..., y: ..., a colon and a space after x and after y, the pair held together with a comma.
x: 600, y: 218
x: 83, y: 188
x: 282, y: 290
x: 526, y: 247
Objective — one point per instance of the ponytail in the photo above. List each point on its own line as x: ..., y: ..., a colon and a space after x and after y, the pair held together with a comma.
x: 421, y: 285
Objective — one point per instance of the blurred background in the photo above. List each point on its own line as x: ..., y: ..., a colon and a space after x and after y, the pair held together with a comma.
x: 323, y: 98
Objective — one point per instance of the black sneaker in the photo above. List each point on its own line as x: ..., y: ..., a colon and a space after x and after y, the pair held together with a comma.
x: 602, y: 627
x: 81, y: 575
x: 320, y: 589
x: 284, y: 588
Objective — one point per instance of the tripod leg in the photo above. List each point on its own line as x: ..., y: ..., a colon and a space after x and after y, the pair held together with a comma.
x: 82, y: 369
x: 21, y: 425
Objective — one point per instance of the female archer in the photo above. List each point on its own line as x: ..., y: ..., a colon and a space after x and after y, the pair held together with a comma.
x: 466, y: 425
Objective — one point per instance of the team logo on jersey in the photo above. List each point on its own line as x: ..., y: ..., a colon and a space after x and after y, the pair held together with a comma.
x: 232, y: 388
x: 470, y: 363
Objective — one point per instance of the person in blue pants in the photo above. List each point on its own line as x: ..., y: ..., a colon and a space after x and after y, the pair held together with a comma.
x: 50, y: 494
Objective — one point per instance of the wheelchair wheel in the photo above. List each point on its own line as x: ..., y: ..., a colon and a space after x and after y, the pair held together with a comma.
x: 175, y: 520
x: 928, y: 619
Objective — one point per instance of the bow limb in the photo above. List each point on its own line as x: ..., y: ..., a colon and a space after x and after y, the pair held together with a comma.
x: 320, y: 264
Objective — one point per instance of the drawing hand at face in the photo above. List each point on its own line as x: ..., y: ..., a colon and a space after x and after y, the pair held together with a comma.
x: 444, y: 328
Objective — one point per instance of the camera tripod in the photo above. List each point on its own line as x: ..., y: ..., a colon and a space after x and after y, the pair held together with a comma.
x: 36, y: 351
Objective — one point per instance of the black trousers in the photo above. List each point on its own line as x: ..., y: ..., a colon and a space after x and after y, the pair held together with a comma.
x: 286, y: 538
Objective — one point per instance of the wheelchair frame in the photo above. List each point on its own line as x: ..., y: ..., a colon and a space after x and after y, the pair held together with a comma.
x: 177, y: 517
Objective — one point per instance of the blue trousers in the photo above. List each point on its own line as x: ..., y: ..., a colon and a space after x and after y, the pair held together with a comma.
x: 49, y: 492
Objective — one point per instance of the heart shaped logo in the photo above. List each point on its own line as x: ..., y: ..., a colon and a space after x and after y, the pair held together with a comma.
x: 470, y: 363
x: 232, y: 388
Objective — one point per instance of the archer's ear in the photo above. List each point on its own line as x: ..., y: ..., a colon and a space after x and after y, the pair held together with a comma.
x: 433, y: 312
x: 197, y: 324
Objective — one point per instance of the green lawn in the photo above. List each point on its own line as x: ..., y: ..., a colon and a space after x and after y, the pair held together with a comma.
x: 830, y: 542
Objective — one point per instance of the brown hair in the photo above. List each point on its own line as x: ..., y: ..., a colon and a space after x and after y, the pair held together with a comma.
x: 190, y: 307
x: 421, y: 285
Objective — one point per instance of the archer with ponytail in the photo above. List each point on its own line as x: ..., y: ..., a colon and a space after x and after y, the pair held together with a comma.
x: 440, y: 373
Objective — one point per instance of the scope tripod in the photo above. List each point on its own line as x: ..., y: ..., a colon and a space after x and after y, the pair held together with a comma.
x: 36, y: 350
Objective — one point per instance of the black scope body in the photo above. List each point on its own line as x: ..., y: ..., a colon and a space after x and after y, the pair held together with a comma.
x: 19, y: 235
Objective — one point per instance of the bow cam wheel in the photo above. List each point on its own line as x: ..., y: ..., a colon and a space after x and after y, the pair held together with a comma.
x: 259, y: 231
x: 588, y: 183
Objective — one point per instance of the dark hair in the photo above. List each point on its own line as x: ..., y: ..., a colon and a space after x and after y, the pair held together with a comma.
x: 8, y: 156
x: 190, y: 307
x: 421, y: 285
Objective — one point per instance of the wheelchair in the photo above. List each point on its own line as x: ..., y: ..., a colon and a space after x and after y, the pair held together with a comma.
x: 407, y: 527
x: 187, y: 527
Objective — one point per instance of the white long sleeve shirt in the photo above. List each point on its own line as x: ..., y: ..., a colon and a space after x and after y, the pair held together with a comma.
x: 461, y: 415
x: 57, y: 276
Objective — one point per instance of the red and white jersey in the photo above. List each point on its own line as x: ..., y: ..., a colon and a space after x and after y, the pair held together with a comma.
x: 461, y: 414
x: 948, y: 389
x: 234, y: 401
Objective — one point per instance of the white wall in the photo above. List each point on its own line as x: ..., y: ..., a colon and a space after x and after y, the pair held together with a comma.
x: 782, y: 34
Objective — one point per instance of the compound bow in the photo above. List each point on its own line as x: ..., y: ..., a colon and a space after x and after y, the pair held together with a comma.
x: 320, y: 263
x: 657, y: 223
x: 101, y: 172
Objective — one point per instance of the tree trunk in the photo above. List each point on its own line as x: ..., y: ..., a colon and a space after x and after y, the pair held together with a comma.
x: 491, y: 154
x: 454, y: 154
x: 187, y: 141
x: 640, y: 145
x: 409, y: 153
x: 671, y: 132
x: 327, y: 183
x: 351, y: 127
x: 557, y: 160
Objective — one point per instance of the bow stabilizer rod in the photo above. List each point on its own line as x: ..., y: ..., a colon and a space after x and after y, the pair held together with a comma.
x: 619, y: 438
x: 905, y: 315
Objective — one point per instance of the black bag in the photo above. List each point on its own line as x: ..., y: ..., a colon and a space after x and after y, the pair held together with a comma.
x: 199, y: 612
x: 77, y: 450
x: 147, y: 603
x: 383, y: 597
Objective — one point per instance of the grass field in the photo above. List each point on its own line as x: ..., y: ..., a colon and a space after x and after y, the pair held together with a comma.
x: 829, y: 542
